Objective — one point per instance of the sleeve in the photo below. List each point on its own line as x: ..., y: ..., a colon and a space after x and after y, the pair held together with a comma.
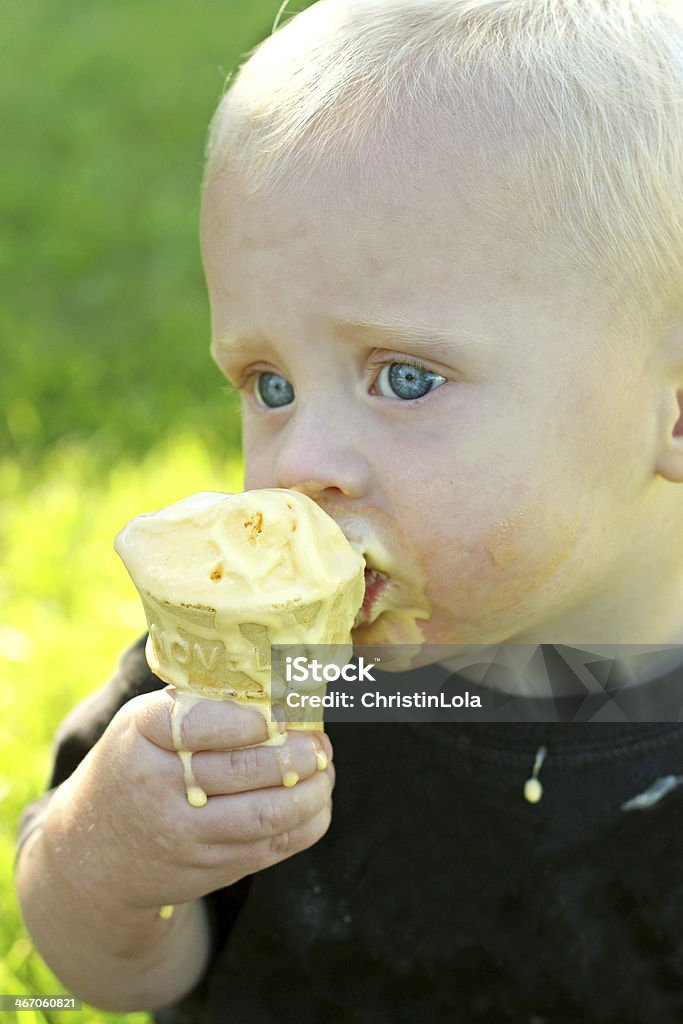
x: 81, y: 729
x: 84, y: 725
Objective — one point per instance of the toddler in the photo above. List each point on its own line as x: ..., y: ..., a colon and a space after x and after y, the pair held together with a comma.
x: 443, y: 242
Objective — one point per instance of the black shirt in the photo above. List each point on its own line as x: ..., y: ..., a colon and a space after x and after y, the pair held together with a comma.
x: 440, y: 894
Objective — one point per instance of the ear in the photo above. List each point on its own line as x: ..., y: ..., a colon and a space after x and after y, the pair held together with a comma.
x: 670, y: 456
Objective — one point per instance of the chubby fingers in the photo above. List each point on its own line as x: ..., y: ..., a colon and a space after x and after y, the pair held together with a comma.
x: 301, y: 756
x: 198, y: 723
x: 270, y: 820
x: 225, y: 740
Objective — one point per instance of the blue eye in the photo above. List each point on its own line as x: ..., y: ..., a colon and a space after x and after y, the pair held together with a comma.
x: 407, y: 381
x: 272, y: 390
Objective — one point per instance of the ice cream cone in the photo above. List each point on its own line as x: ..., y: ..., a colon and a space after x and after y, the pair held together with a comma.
x: 224, y: 577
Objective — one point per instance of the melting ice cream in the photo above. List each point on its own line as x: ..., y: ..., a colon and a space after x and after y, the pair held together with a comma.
x: 224, y: 576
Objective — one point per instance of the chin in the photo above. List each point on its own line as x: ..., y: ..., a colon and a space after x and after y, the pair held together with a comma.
x: 396, y: 630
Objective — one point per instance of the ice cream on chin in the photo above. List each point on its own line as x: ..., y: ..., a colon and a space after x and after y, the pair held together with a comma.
x: 224, y: 576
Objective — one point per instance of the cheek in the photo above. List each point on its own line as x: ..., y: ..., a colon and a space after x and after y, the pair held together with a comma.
x: 258, y: 457
x: 504, y: 573
x: 542, y: 536
x: 528, y: 549
x: 258, y: 472
x: 254, y: 476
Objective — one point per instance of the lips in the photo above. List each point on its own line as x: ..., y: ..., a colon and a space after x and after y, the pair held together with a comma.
x: 394, y: 578
x: 375, y: 585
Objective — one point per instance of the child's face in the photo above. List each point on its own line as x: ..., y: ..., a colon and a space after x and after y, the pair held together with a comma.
x: 499, y: 501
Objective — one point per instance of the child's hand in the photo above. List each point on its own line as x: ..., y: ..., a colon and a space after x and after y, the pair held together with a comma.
x: 123, y: 819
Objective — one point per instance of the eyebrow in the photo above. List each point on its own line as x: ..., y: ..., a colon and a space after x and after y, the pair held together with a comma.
x: 232, y: 349
x: 413, y: 332
x: 385, y: 329
x: 236, y: 344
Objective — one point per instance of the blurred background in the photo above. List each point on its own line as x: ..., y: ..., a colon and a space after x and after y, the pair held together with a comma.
x: 109, y: 402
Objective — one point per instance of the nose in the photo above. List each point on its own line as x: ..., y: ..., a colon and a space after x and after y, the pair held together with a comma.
x: 321, y: 456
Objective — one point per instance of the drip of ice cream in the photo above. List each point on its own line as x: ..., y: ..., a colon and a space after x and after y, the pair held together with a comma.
x: 224, y: 576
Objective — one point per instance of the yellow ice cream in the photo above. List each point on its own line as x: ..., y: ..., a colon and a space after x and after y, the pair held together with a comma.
x: 224, y: 576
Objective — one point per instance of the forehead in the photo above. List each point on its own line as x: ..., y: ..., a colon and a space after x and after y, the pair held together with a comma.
x: 448, y: 248
x: 404, y: 174
x: 461, y: 209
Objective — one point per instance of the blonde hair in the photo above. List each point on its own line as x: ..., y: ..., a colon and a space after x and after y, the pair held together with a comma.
x: 583, y: 100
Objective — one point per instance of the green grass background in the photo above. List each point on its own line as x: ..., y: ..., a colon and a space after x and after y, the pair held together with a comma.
x: 109, y: 403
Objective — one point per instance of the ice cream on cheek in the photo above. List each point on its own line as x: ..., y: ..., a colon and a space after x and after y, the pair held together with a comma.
x: 222, y: 577
x: 513, y: 572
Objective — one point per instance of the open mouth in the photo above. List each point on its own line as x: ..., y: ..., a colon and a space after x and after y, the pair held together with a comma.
x: 375, y: 585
